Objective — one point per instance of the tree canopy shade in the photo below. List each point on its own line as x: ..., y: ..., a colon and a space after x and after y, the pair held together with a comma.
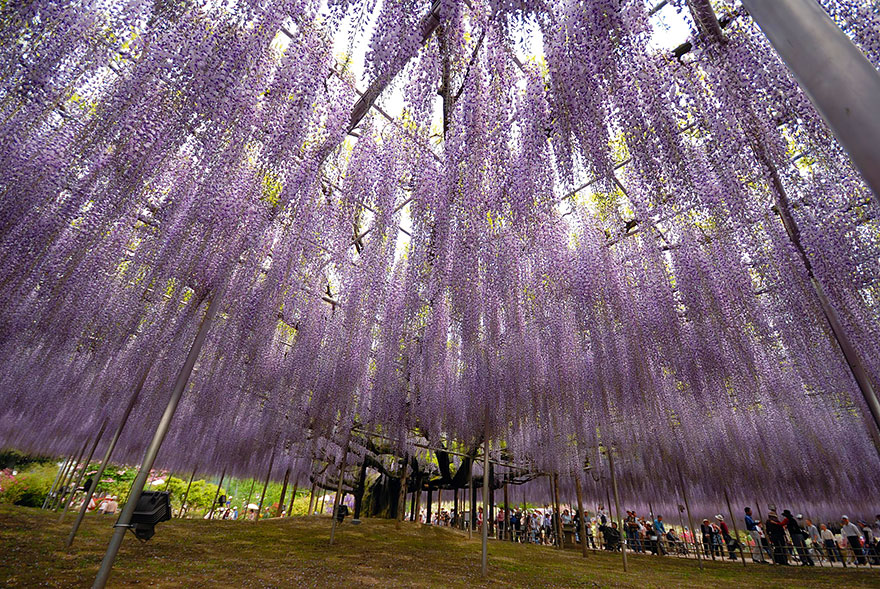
x: 602, y: 247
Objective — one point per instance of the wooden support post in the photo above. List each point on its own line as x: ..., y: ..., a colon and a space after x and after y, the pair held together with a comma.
x: 292, y: 498
x: 507, y: 531
x: 490, y: 517
x: 183, y: 508
x: 485, y: 528
x: 690, y: 519
x: 617, y: 504
x: 53, y: 500
x: 560, y: 537
x: 412, y: 499
x: 312, y: 500
x: 735, y: 528
x: 417, y: 512
x: 582, y: 516
x: 283, y: 493
x: 265, y: 485
x: 359, y: 491
x: 472, y: 517
x: 68, y: 479
x: 217, y: 494
x: 401, y: 499
x: 337, y: 499
x: 61, y: 469
x: 250, y: 494
x: 428, y: 511
x: 82, y: 472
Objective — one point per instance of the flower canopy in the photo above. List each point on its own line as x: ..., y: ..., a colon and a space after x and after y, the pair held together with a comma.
x: 601, y: 247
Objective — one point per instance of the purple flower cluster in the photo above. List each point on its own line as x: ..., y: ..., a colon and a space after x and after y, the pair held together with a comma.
x: 596, y: 262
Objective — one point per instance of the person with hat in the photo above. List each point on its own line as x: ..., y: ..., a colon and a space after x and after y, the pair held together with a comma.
x: 706, y: 531
x: 776, y: 531
x: 870, y: 548
x: 731, y: 543
x: 631, y: 527
x: 798, y: 537
x: 850, y: 531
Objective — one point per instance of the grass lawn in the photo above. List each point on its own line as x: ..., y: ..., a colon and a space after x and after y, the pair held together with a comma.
x: 295, y: 553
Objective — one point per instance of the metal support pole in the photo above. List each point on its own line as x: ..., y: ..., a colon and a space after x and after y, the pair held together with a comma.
x: 61, y: 469
x: 338, y: 496
x: 690, y: 519
x: 64, y: 474
x: 850, y: 354
x: 485, y: 531
x: 838, y: 79
x: 283, y: 492
x: 83, y: 472
x: 265, y: 485
x: 811, y: 18
x: 68, y: 480
x: 217, y: 494
x: 735, y: 528
x: 124, y: 521
x: 107, y: 454
x: 582, y: 516
x: 617, y: 503
x: 183, y: 508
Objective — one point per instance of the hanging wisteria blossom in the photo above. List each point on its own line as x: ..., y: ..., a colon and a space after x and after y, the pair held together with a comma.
x: 604, y: 249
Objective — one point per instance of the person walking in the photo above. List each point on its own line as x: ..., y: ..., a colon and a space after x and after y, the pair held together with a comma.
x: 755, y: 533
x: 815, y: 538
x: 850, y: 531
x: 660, y: 527
x: 870, y: 548
x: 798, y: 537
x: 706, y: 531
x: 776, y: 531
x: 831, y: 548
x: 731, y: 543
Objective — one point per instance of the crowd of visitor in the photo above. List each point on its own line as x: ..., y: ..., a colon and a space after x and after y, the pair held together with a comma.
x: 783, y: 539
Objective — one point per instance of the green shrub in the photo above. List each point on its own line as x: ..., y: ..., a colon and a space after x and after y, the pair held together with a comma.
x: 30, y: 486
